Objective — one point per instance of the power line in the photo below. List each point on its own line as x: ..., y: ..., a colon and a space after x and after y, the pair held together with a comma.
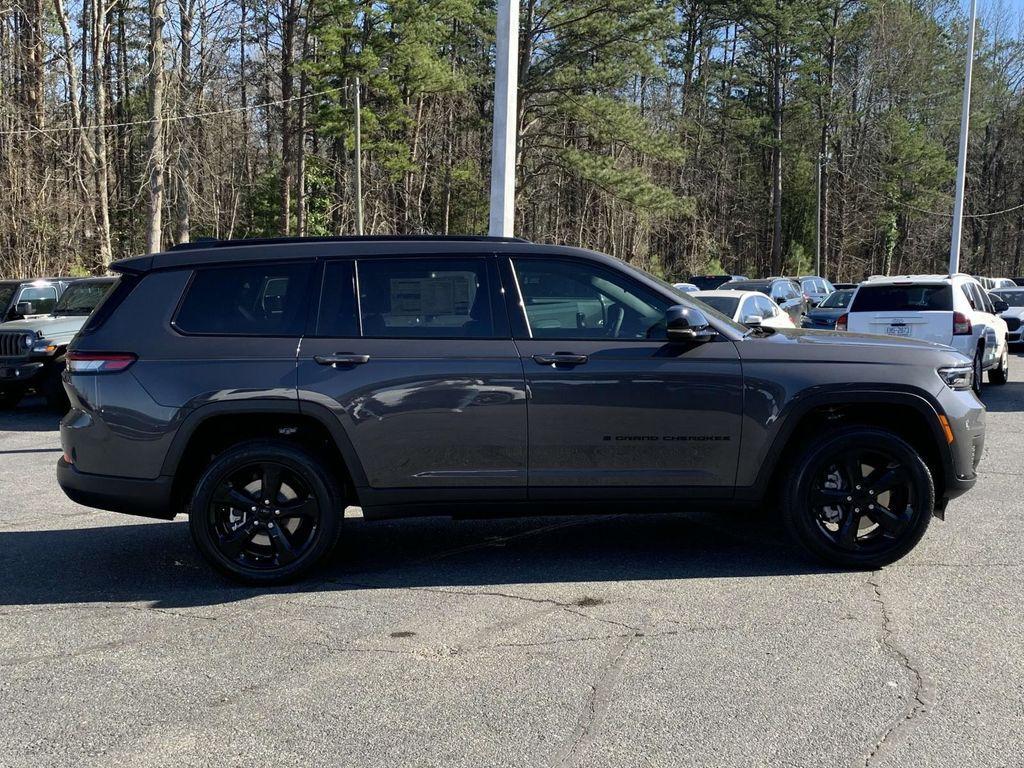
x: 169, y: 119
x: 944, y: 214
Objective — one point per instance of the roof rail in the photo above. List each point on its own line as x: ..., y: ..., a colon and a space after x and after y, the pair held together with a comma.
x: 212, y: 242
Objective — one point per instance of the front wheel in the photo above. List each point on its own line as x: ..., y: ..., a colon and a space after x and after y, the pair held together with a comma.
x: 266, y: 512
x: 860, y: 497
x: 9, y: 398
x: 1001, y: 373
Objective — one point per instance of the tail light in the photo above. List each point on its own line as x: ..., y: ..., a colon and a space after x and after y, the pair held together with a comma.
x: 961, y: 324
x: 843, y: 323
x: 99, y: 362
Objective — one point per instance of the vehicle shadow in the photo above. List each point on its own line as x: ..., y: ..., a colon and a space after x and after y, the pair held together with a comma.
x: 156, y: 561
x: 1004, y: 398
x: 31, y: 415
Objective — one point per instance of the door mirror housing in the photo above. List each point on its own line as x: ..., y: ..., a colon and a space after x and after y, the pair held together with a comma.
x: 753, y: 320
x: 686, y: 325
x: 25, y: 308
x: 1000, y: 306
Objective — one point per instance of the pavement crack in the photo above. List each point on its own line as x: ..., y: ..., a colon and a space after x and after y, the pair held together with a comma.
x: 916, y: 704
x: 599, y: 701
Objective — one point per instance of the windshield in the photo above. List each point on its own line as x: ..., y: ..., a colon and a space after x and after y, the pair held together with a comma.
x: 1013, y: 298
x: 709, y: 282
x: 903, y: 298
x: 82, y: 298
x: 837, y: 300
x: 724, y: 304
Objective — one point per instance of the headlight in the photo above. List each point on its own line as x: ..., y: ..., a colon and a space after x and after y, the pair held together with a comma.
x: 43, y: 347
x: 959, y: 377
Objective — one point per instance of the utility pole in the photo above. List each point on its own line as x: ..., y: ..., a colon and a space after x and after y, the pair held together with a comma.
x: 503, y: 144
x: 961, y: 167
x: 817, y: 224
x: 359, y: 160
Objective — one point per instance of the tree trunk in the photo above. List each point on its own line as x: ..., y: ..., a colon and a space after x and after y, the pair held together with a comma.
x: 776, y: 264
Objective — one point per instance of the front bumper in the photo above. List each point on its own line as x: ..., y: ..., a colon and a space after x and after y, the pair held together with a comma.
x: 21, y: 373
x: 966, y: 416
x: 130, y: 496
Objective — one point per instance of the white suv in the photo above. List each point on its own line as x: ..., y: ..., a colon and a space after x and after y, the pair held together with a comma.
x: 948, y: 309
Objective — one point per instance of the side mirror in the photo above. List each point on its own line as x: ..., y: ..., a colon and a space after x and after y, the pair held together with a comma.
x: 25, y: 308
x: 684, y: 325
x: 752, y: 320
x: 1000, y: 305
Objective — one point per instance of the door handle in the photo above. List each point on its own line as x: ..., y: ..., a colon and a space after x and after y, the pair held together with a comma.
x: 560, y: 358
x: 341, y: 359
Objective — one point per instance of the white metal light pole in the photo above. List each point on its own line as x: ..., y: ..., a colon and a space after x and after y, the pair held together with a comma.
x: 359, y: 159
x: 503, y: 146
x: 961, y: 167
x: 817, y: 227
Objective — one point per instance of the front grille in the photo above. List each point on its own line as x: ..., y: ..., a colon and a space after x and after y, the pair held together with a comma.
x: 12, y: 344
x: 1013, y: 323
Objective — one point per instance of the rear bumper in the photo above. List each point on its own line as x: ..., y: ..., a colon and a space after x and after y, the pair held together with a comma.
x: 130, y: 496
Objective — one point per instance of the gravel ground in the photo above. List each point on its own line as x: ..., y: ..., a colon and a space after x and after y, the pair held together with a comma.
x: 693, y: 639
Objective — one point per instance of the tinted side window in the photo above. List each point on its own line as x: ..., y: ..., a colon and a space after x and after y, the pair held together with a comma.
x: 425, y: 298
x: 576, y: 300
x: 339, y: 315
x: 246, y: 300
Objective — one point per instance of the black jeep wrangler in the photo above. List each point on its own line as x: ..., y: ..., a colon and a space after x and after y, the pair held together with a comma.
x: 263, y: 386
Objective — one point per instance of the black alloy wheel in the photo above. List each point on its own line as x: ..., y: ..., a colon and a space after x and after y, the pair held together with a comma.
x: 861, y: 497
x: 265, y: 512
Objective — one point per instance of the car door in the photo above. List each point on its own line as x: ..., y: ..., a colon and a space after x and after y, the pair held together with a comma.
x: 414, y: 357
x: 614, y: 409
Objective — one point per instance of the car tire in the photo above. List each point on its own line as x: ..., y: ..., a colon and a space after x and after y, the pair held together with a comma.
x: 852, y: 531
x: 1001, y: 373
x: 9, y: 398
x: 265, y: 541
x: 979, y: 369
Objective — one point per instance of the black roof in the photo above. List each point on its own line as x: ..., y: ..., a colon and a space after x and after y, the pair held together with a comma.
x: 203, y: 252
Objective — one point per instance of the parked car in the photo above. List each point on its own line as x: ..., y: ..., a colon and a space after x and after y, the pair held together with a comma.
x: 750, y: 308
x: 815, y: 288
x: 685, y: 287
x: 263, y: 386
x: 824, y: 316
x: 1013, y: 315
x: 32, y: 350
x: 992, y: 283
x: 711, y: 282
x: 784, y: 292
x: 1019, y: 281
x: 953, y: 310
x: 24, y: 298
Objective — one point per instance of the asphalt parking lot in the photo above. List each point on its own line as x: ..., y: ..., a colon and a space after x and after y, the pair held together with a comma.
x: 693, y: 639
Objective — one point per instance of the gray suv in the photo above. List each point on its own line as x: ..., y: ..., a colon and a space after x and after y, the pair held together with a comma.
x: 263, y: 386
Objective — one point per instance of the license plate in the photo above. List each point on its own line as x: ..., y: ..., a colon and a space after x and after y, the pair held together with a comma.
x: 898, y: 330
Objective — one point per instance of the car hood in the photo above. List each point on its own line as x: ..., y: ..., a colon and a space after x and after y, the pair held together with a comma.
x: 48, y: 326
x: 843, y: 347
x: 1017, y: 312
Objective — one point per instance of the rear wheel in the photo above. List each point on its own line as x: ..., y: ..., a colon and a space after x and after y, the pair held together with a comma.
x: 860, y: 497
x: 1001, y: 373
x: 266, y: 512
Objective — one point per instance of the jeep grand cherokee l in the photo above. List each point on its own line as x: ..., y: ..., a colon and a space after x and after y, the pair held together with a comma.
x: 263, y: 386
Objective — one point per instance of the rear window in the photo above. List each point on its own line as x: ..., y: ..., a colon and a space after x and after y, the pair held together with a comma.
x: 709, y: 282
x: 903, y: 298
x: 837, y: 300
x: 246, y: 300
